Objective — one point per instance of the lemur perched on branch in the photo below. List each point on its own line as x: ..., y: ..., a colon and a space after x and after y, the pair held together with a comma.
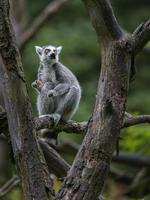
x: 58, y: 89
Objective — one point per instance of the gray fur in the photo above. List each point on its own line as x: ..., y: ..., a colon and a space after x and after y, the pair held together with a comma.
x: 60, y: 93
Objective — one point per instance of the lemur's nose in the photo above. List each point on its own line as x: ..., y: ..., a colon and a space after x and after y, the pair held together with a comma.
x: 53, y: 56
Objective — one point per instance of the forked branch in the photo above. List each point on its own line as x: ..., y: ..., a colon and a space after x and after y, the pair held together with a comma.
x: 103, y: 19
x: 141, y: 36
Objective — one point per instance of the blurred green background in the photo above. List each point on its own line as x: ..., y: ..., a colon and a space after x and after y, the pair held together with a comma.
x: 71, y: 28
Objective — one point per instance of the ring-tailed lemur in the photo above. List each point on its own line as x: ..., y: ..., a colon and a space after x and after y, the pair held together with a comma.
x: 59, y: 90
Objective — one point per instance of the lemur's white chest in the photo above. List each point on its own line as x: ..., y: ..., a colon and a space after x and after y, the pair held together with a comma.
x: 48, y: 74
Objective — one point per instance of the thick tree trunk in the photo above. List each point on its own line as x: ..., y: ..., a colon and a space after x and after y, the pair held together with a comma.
x: 86, y: 177
x: 91, y: 166
x: 32, y: 168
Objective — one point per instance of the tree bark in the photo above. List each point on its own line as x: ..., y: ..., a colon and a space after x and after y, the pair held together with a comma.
x: 31, y: 165
x: 86, y: 177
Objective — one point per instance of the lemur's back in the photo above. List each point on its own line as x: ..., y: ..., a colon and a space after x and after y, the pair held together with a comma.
x: 63, y: 74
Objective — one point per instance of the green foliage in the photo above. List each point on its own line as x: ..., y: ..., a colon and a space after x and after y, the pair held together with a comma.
x: 137, y: 139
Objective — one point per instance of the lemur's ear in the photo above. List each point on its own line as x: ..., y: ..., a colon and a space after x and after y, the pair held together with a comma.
x: 59, y: 49
x: 38, y: 50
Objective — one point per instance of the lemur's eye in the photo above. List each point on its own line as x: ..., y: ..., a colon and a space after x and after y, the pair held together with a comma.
x: 47, y: 51
x: 55, y: 50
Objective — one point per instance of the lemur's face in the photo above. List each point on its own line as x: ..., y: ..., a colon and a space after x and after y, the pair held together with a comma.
x: 48, y: 54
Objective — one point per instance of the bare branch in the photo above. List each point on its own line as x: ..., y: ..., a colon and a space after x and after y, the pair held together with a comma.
x: 60, y: 168
x: 134, y: 120
x: 132, y: 159
x: 55, y: 162
x: 80, y: 127
x: 72, y: 126
x: 39, y: 21
x: 103, y: 19
x: 141, y: 36
x: 9, y: 185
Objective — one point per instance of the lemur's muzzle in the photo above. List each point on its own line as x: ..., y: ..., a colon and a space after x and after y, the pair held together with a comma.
x: 53, y: 56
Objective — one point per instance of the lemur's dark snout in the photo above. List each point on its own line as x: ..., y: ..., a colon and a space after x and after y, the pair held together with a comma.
x: 53, y: 56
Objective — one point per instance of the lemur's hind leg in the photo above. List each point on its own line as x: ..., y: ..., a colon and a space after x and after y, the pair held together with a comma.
x: 45, y: 105
x: 68, y: 104
x: 42, y: 106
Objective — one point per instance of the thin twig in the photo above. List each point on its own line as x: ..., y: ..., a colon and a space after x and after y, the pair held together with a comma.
x: 9, y: 185
x: 39, y: 21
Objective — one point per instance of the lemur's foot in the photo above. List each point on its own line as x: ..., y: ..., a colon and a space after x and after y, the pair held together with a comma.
x: 55, y: 117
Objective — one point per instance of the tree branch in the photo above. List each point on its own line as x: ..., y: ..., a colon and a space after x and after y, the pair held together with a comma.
x: 103, y: 19
x: 9, y: 185
x: 72, y: 126
x: 55, y: 162
x: 36, y: 183
x: 132, y: 159
x: 141, y: 36
x: 134, y: 120
x: 80, y: 127
x: 39, y: 21
x: 69, y: 127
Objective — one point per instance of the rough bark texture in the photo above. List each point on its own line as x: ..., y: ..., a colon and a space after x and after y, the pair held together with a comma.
x: 33, y: 170
x: 91, y: 166
x: 86, y: 177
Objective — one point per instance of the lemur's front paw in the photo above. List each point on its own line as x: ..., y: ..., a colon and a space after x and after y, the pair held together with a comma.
x: 37, y: 84
x: 51, y: 93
